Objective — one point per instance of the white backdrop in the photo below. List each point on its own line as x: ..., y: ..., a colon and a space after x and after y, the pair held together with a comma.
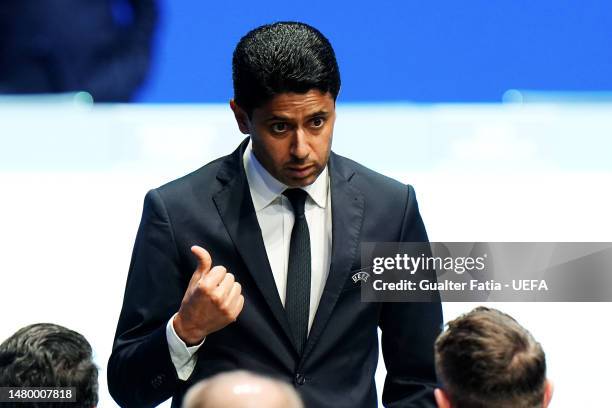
x: 73, y: 180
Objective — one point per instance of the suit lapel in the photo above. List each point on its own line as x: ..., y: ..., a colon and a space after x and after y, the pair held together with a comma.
x: 347, y: 216
x: 235, y: 207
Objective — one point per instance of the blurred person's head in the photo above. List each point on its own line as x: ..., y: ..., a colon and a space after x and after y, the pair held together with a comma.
x: 486, y: 359
x: 49, y: 355
x: 241, y: 389
x: 286, y: 81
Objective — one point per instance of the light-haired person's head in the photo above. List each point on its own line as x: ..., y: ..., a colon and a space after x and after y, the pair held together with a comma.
x: 49, y: 355
x: 241, y: 389
x: 486, y: 359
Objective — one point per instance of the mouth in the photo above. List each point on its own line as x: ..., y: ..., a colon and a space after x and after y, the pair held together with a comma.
x: 300, y: 171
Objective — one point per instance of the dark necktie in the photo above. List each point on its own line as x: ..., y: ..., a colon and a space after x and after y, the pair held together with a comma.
x: 297, y: 297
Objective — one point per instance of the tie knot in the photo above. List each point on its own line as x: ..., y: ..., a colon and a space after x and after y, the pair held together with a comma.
x: 297, y: 198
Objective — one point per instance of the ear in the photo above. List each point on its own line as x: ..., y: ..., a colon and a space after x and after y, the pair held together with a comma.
x: 548, y: 392
x: 441, y: 398
x: 242, y: 119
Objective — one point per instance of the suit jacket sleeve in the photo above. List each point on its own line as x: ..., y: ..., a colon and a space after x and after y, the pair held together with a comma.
x: 140, y: 370
x: 409, y: 331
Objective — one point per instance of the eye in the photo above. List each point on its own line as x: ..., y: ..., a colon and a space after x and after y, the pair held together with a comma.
x: 318, y: 122
x: 278, y: 127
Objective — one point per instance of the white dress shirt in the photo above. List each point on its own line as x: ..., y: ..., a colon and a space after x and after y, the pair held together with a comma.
x: 275, y: 217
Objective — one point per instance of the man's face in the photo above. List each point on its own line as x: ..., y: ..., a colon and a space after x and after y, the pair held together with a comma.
x: 291, y: 135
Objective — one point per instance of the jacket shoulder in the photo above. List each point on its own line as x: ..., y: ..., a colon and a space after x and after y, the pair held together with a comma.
x: 204, y: 176
x: 201, y: 182
x: 370, y: 181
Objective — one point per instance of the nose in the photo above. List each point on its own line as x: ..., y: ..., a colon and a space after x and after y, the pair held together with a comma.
x: 300, y: 149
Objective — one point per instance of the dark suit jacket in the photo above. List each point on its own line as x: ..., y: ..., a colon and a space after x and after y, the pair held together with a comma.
x: 212, y: 207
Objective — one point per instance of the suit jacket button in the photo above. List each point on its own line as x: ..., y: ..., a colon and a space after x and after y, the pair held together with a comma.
x: 157, y: 381
x: 299, y: 379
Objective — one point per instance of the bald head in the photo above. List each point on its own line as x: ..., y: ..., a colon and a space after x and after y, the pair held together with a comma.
x: 241, y: 389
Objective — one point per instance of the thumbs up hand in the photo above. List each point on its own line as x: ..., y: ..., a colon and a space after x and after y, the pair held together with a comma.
x: 212, y: 300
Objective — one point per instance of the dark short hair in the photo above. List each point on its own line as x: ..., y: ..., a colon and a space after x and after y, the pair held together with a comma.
x: 486, y: 359
x: 49, y: 355
x: 279, y: 58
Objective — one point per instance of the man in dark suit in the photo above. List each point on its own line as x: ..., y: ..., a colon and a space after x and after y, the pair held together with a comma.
x: 282, y: 219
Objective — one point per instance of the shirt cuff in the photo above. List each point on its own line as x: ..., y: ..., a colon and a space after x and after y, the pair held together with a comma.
x: 183, y: 357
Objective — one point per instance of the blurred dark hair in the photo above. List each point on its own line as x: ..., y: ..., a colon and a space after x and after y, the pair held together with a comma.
x: 49, y: 355
x: 486, y: 359
x: 282, y: 57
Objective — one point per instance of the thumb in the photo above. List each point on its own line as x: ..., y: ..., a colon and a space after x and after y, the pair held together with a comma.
x: 204, y: 260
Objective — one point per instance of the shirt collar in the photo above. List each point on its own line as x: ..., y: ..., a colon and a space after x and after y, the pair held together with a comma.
x: 265, y: 188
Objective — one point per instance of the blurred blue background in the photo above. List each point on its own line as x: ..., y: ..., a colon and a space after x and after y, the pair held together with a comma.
x: 435, y: 51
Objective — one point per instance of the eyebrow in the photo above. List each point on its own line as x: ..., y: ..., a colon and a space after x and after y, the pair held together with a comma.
x: 321, y: 113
